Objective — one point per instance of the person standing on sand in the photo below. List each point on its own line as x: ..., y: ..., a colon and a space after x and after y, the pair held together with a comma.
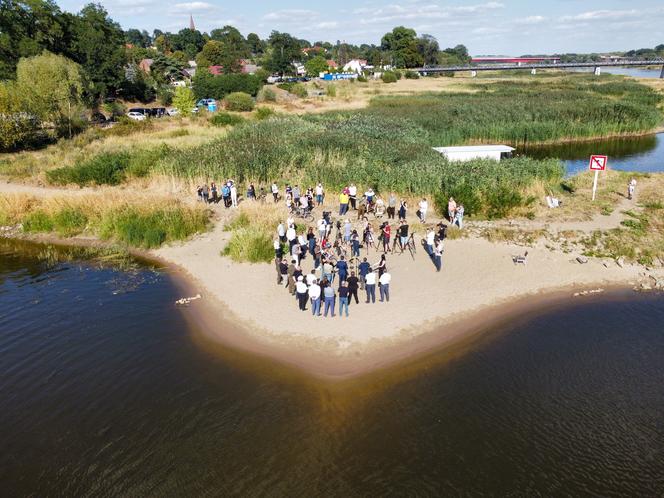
x: 403, y: 209
x: 206, y: 193
x: 353, y: 284
x: 330, y: 299
x: 320, y: 194
x: 403, y: 235
x: 278, y: 252
x: 387, y: 234
x: 424, y: 207
x: 451, y: 209
x: 314, y: 295
x: 277, y: 265
x: 352, y: 196
x: 631, y: 188
x: 355, y: 244
x: 384, y: 282
x: 342, y: 269
x: 458, y: 217
x: 291, y: 280
x: 364, y: 269
x: 391, y: 206
x: 283, y: 268
x: 343, y: 299
x: 275, y: 192
x: 431, y: 241
x: 438, y: 255
x: 382, y: 265
x: 370, y: 280
x: 302, y: 293
x: 343, y: 203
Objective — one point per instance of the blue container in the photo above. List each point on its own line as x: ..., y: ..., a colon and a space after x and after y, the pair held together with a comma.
x: 212, y: 107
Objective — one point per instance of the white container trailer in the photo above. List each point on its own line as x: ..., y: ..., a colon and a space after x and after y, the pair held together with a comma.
x: 470, y: 152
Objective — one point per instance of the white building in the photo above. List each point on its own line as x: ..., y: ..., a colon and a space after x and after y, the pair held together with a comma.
x: 355, y: 66
x: 470, y: 152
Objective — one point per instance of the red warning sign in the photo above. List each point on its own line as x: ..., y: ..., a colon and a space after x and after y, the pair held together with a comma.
x: 598, y: 163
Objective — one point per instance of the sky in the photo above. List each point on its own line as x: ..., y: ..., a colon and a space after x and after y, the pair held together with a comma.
x: 502, y: 27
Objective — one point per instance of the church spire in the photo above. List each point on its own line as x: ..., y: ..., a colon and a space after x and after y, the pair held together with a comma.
x: 192, y: 26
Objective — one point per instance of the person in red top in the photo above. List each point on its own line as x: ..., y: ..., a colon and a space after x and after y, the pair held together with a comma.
x: 387, y: 232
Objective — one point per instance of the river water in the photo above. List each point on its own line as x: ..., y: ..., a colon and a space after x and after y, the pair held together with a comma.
x: 105, y: 391
x: 643, y: 154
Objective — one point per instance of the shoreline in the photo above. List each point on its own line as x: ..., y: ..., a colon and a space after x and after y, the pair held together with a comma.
x: 350, y: 355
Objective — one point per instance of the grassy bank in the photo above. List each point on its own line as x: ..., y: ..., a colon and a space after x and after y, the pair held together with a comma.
x: 114, y: 217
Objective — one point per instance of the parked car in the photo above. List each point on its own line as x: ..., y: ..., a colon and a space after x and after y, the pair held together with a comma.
x: 136, y: 116
x: 172, y: 112
x: 140, y: 110
x: 205, y: 102
x: 157, y: 112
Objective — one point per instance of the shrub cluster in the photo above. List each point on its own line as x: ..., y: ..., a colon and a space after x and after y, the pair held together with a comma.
x: 239, y: 102
x: 226, y: 119
x: 207, y: 85
x: 297, y: 89
x: 389, y: 77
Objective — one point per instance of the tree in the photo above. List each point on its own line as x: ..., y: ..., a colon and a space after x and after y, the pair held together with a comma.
x: 26, y: 28
x: 98, y: 46
x: 233, y: 48
x: 211, y: 55
x: 315, y: 66
x: 402, y: 44
x: 17, y: 127
x: 163, y: 44
x: 184, y: 101
x: 256, y: 45
x: 284, y: 50
x: 189, y: 41
x: 165, y: 69
x: 457, y: 56
x: 53, y: 85
x: 428, y: 48
x: 138, y: 38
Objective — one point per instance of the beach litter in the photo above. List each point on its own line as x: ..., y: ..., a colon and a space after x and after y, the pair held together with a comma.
x: 588, y: 292
x: 187, y: 300
x: 582, y: 259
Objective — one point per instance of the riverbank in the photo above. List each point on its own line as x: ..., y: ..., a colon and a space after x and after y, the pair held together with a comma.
x: 244, y: 308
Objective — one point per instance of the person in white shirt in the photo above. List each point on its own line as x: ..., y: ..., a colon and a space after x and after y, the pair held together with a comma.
x: 302, y: 292
x: 311, y: 278
x: 290, y: 222
x: 281, y: 232
x: 314, y: 295
x: 275, y: 192
x: 320, y: 193
x: 370, y: 286
x: 291, y: 236
x: 424, y: 207
x: 322, y: 228
x: 304, y: 202
x: 234, y: 195
x: 278, y: 253
x: 384, y: 282
x: 352, y: 196
x: 431, y: 241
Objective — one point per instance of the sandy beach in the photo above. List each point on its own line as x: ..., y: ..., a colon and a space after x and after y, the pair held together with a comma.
x: 243, y: 307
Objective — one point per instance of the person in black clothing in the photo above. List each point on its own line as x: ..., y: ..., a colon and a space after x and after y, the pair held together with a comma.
x: 353, y: 285
x: 403, y: 235
x: 442, y: 231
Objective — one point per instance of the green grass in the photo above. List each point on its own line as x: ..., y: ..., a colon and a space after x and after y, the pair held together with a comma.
x: 111, y: 168
x: 250, y: 244
x: 521, y: 112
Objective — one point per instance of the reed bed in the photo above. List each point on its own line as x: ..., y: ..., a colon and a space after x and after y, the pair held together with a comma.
x: 120, y: 217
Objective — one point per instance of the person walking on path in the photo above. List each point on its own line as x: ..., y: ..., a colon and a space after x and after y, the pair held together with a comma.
x: 353, y: 284
x: 424, y: 207
x: 370, y: 280
x: 384, y: 282
x: 275, y: 192
x: 302, y: 293
x: 355, y: 244
x: 234, y: 195
x: 314, y: 295
x: 206, y: 193
x: 343, y: 299
x: 631, y: 188
x: 458, y: 217
x: 438, y: 255
x: 364, y: 269
x: 451, y: 209
x: 330, y: 298
x: 342, y: 269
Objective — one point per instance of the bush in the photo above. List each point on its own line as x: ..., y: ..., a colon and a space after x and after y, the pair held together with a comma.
x: 38, y: 221
x: 331, y: 90
x: 250, y: 244
x: 226, y: 119
x: 207, y: 85
x: 69, y: 221
x: 265, y: 113
x: 411, y: 75
x: 362, y: 79
x: 268, y: 95
x: 398, y: 74
x: 165, y: 95
x: 104, y: 169
x: 389, y: 77
x: 297, y: 89
x: 239, y: 102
